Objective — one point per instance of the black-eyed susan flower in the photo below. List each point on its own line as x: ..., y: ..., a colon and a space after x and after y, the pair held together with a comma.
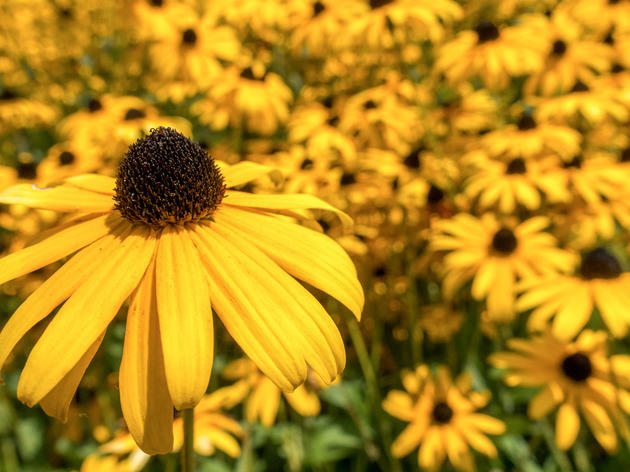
x: 494, y: 256
x: 167, y: 233
x: 96, y: 463
x: 577, y: 378
x: 443, y: 419
x: 263, y: 396
x: 599, y: 282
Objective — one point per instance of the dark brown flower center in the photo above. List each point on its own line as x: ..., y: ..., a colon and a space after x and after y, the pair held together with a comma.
x: 156, y: 3
x: 66, y: 158
x: 374, y: 4
x: 134, y: 114
x: 504, y: 241
x: 559, y: 47
x: 412, y: 160
x: 580, y: 87
x: 516, y: 166
x: 189, y: 37
x: 442, y: 413
x: 617, y: 68
x: 306, y: 164
x: 435, y: 195
x: 348, y: 178
x: 576, y: 163
x: 370, y: 105
x: 600, y: 264
x: 27, y: 170
x: 94, y: 105
x: 625, y: 155
x: 486, y: 31
x: 165, y: 178
x: 526, y: 122
x: 7, y: 95
x: 318, y: 7
x: 577, y: 367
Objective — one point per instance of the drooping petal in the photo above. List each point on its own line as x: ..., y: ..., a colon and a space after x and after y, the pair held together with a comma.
x: 279, y: 304
x: 263, y: 403
x: 59, y: 245
x: 282, y: 202
x: 304, y: 253
x: 57, y: 402
x: 304, y: 401
x: 185, y: 315
x: 144, y: 398
x: 53, y: 291
x: 86, y: 314
x: 64, y: 198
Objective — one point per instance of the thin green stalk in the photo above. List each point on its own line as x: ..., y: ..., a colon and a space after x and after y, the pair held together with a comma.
x: 188, y: 449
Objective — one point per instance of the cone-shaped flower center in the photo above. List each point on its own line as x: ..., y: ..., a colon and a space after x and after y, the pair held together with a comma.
x: 167, y: 178
x: 66, y: 158
x: 189, y: 37
x: 442, y: 413
x: 504, y: 241
x: 577, y: 367
x: 526, y: 123
x: 600, y: 264
x: 516, y: 166
x: 318, y: 7
x: 134, y: 114
x: 435, y: 195
x: 559, y: 47
x: 486, y: 31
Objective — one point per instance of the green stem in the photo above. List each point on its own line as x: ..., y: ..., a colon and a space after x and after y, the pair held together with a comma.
x: 188, y: 449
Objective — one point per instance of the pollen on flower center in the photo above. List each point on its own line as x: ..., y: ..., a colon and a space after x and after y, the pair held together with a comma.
x: 442, y: 413
x: 600, y: 264
x: 577, y: 367
x: 504, y: 241
x: 166, y: 178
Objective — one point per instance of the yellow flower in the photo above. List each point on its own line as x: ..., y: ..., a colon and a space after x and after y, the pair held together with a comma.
x: 441, y: 322
x: 576, y: 377
x: 213, y: 430
x: 443, y: 419
x: 22, y: 112
x: 167, y: 233
x: 599, y: 283
x: 494, y: 256
x: 95, y: 463
x: 264, y: 396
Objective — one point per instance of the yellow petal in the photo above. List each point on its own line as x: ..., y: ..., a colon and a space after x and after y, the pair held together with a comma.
x: 410, y: 438
x: 51, y: 293
x: 85, y: 315
x: 283, y: 305
x: 399, y: 405
x: 304, y: 253
x: 600, y: 424
x: 282, y: 202
x: 243, y: 172
x: 55, y: 247
x: 305, y: 402
x: 263, y: 403
x: 185, y: 315
x: 573, y: 315
x: 432, y: 452
x: 214, y: 437
x: 567, y: 426
x: 93, y: 183
x: 542, y: 403
x: 64, y: 198
x: 57, y: 402
x: 144, y: 398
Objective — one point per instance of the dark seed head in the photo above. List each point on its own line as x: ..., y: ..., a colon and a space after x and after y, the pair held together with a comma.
x: 625, y: 155
x: 27, y: 170
x: 94, y: 105
x: 156, y: 3
x: 348, y: 178
x: 580, y: 87
x: 380, y: 271
x: 559, y: 47
x: 7, y: 95
x: 374, y: 4
x: 442, y: 413
x: 166, y: 178
x: 526, y: 122
x: 610, y: 38
x: 600, y: 264
x: 486, y: 31
x: 435, y: 195
x: 328, y: 102
x: 577, y: 367
x: 318, y: 7
x: 617, y: 68
x: 306, y: 164
x: 66, y: 158
x: 504, y: 241
x: 370, y: 105
x: 333, y: 122
x: 412, y: 160
x: 134, y: 114
x: 516, y: 166
x: 248, y: 73
x: 189, y: 37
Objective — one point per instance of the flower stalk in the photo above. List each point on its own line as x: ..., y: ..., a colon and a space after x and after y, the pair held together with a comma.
x: 188, y: 448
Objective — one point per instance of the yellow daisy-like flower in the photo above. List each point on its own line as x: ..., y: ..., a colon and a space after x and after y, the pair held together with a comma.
x: 443, y: 419
x: 214, y: 430
x: 578, y: 377
x: 495, y: 256
x: 95, y: 463
x: 167, y: 233
x: 598, y: 283
x: 263, y: 396
x: 496, y: 55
